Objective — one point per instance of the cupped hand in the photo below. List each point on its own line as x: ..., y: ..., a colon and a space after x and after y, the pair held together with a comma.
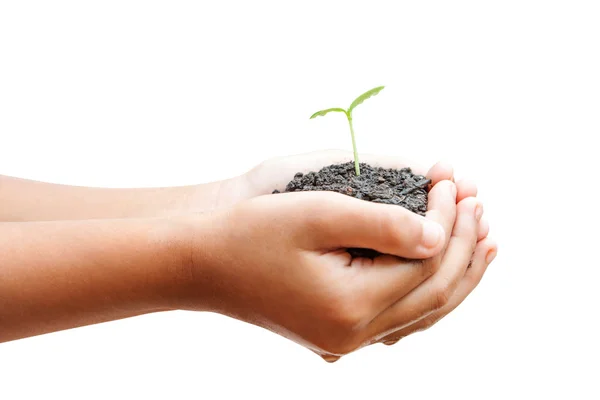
x: 275, y: 173
x: 279, y: 262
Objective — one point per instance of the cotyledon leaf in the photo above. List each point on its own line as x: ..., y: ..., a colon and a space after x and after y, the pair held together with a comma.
x: 323, y: 112
x: 364, y: 96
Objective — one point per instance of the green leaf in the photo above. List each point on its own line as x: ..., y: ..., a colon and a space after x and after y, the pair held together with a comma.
x: 323, y: 112
x: 364, y: 96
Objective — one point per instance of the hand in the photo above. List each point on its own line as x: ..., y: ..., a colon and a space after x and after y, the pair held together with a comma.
x: 277, y: 172
x: 279, y: 262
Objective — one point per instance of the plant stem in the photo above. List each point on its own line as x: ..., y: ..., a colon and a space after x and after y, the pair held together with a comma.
x: 356, y: 162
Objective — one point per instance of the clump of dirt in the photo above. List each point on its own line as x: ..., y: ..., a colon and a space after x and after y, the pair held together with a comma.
x: 389, y: 186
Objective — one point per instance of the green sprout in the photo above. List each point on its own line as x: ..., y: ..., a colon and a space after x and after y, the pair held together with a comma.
x: 348, y: 113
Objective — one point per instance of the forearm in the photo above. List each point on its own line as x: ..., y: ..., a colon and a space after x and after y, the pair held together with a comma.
x: 60, y: 275
x: 26, y: 200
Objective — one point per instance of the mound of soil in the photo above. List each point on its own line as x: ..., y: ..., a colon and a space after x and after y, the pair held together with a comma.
x: 379, y: 185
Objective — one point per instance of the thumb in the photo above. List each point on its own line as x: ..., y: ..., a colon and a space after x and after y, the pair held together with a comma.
x: 341, y: 221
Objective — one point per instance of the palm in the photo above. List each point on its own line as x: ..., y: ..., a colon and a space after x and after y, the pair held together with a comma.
x: 274, y: 174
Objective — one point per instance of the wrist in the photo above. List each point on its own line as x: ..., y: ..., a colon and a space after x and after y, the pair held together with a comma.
x: 188, y: 275
x: 154, y: 280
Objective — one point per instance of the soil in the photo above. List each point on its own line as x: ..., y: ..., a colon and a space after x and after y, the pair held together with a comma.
x: 379, y: 185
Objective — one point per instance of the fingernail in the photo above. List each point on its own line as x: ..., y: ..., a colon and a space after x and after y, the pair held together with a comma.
x: 432, y: 234
x: 490, y: 256
x: 391, y: 342
x: 478, y: 211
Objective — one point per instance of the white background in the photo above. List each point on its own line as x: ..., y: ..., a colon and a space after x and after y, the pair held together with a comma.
x: 148, y: 93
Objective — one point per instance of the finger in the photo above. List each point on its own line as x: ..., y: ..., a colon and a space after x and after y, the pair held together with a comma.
x: 484, y: 254
x: 332, y: 221
x: 465, y: 189
x: 387, y: 278
x: 441, y: 171
x: 436, y: 291
x: 483, y: 230
x: 441, y: 208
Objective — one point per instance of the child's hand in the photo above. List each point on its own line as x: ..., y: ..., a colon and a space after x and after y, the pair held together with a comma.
x: 279, y: 262
x: 277, y: 172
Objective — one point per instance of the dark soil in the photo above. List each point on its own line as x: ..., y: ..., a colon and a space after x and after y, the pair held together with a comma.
x: 379, y: 185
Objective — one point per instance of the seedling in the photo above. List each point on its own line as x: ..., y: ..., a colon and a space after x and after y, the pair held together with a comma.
x: 348, y: 113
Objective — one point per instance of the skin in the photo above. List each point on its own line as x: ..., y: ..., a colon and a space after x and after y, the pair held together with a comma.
x: 323, y: 304
x: 27, y: 200
x: 90, y: 255
x: 58, y: 275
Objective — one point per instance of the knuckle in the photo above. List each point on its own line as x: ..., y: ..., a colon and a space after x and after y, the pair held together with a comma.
x: 348, y: 315
x: 440, y: 300
x: 396, y: 228
x: 389, y: 236
x: 346, y: 318
x: 430, y: 266
x: 412, y: 227
x: 314, y: 215
x: 440, y: 296
x: 466, y: 204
